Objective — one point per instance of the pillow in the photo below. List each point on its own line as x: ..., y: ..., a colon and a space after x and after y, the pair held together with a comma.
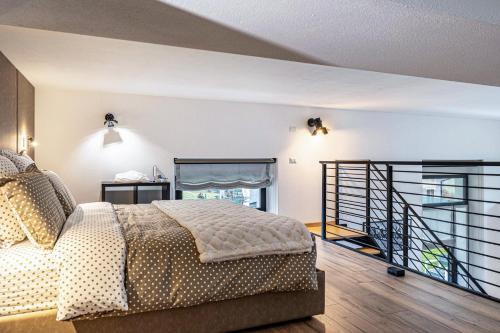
x: 64, y: 195
x: 35, y: 201
x: 7, y: 168
x: 20, y: 161
x: 10, y: 230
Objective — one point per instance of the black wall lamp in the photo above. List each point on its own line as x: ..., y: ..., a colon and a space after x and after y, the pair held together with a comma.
x: 109, y: 120
x: 318, y: 126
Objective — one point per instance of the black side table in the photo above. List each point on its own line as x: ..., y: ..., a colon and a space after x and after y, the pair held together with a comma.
x: 165, y: 188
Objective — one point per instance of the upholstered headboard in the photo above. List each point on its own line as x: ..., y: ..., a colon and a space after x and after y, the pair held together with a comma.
x: 17, y: 107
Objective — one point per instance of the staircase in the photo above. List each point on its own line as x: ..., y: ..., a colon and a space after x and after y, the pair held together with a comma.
x: 351, y: 238
x: 387, y: 210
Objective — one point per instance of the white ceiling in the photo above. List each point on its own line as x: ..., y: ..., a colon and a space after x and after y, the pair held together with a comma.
x: 72, y: 61
x: 456, y: 40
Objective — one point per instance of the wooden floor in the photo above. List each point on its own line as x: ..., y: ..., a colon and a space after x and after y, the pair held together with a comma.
x: 335, y: 232
x: 362, y: 297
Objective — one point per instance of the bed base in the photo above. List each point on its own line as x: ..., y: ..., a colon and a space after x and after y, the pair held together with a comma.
x: 223, y: 316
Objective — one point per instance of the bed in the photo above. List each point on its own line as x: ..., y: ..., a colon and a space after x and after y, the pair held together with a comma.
x: 103, y: 274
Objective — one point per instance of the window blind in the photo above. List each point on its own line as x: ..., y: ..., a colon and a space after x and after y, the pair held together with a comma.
x: 199, y: 174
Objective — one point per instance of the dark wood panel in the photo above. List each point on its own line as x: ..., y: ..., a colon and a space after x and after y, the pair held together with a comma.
x: 25, y: 111
x: 8, y: 104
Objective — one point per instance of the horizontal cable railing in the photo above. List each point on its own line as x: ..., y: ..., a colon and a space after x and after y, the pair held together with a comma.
x: 440, y: 219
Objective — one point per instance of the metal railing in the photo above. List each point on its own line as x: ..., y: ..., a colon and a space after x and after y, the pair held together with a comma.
x: 440, y: 219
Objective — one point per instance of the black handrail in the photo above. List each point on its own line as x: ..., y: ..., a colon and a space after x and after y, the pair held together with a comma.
x: 436, y: 238
x: 412, y: 232
x: 442, y: 163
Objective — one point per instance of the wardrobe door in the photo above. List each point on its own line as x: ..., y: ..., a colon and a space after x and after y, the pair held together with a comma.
x: 25, y: 112
x: 8, y: 104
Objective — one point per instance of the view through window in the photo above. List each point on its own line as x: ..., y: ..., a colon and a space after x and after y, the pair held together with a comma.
x: 242, y: 196
x: 444, y: 206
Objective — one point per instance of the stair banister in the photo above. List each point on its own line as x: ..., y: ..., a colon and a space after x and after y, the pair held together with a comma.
x: 454, y: 260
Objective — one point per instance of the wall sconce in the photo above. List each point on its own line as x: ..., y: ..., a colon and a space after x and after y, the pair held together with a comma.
x: 318, y: 126
x: 109, y: 120
x: 26, y: 143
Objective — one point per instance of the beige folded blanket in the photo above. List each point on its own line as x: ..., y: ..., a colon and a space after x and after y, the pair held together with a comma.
x: 225, y: 231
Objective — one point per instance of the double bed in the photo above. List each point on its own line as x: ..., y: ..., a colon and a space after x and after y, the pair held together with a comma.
x: 169, y: 266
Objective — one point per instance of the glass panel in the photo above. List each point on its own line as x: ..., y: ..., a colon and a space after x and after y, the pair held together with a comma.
x: 443, y: 190
x: 120, y: 195
x: 242, y: 196
x: 147, y: 194
x: 440, y: 221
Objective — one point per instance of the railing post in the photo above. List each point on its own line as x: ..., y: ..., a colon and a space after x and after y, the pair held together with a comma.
x: 389, y: 214
x: 405, y: 235
x: 323, y: 201
x: 337, y: 195
x: 368, y: 199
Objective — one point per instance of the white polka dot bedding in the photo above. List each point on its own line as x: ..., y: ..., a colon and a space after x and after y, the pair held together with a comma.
x: 28, y: 279
x: 123, y: 259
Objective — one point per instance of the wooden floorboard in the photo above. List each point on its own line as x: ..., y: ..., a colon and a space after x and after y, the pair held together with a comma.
x: 362, y: 297
x: 335, y: 232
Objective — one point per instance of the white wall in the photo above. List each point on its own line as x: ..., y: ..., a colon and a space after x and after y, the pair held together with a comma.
x: 154, y: 130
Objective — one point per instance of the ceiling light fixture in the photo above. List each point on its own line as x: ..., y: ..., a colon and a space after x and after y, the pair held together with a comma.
x: 109, y: 120
x: 317, y: 124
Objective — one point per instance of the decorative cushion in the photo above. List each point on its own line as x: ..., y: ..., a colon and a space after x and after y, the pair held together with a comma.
x: 7, y: 168
x: 41, y: 215
x: 20, y: 161
x: 10, y: 230
x: 64, y: 195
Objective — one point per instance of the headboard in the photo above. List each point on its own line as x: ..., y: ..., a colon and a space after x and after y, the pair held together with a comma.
x: 17, y: 107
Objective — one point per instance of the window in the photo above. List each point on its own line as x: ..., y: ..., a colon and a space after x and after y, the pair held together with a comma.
x: 254, y: 198
x: 445, y: 206
x: 444, y: 190
x: 243, y: 181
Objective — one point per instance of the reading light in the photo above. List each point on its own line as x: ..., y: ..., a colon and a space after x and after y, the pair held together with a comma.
x: 109, y: 120
x: 318, y: 126
x: 26, y: 143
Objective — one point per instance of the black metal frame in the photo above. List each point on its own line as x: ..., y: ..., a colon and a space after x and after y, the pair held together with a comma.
x: 365, y: 196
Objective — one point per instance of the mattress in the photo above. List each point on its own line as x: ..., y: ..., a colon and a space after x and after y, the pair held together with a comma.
x: 28, y: 279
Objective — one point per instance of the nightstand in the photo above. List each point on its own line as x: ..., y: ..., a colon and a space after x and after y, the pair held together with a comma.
x: 134, y: 188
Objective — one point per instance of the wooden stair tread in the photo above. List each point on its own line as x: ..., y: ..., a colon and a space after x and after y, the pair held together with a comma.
x: 369, y: 250
x: 335, y: 232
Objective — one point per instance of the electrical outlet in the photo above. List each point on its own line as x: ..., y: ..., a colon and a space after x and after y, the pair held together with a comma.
x: 292, y: 129
x: 292, y: 160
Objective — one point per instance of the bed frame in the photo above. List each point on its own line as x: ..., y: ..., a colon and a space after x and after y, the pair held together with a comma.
x: 223, y: 316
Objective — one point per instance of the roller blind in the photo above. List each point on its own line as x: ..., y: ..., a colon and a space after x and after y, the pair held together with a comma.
x: 198, y: 174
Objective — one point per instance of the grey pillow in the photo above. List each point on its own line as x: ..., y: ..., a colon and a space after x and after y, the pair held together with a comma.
x: 63, y: 193
x: 22, y: 162
x: 41, y: 215
x: 10, y: 230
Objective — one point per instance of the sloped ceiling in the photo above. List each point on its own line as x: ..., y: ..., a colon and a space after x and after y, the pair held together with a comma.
x: 70, y: 61
x: 455, y: 40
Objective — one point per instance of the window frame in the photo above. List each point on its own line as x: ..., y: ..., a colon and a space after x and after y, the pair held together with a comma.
x: 464, y: 202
